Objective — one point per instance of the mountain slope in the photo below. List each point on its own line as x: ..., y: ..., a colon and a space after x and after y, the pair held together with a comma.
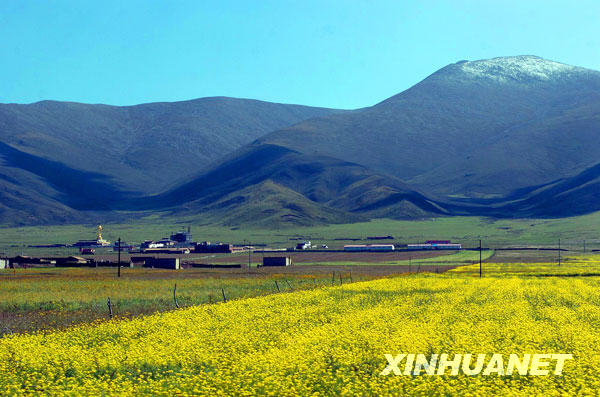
x: 335, y: 186
x: 473, y: 129
x: 59, y: 158
x: 266, y: 204
x: 148, y: 147
x: 78, y: 189
x: 505, y: 137
x: 577, y: 195
x: 33, y: 204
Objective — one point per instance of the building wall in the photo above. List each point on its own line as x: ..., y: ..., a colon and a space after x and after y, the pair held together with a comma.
x: 213, y: 248
x: 163, y: 263
x: 276, y: 261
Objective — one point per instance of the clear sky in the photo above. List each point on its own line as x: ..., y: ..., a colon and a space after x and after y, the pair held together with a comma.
x: 343, y: 54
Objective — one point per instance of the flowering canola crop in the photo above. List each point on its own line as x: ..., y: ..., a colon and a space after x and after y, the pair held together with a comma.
x: 328, y: 341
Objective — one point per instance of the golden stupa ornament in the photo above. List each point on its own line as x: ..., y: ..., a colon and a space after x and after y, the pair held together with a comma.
x: 99, y: 240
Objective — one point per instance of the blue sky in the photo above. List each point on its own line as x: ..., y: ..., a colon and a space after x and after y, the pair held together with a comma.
x: 343, y: 54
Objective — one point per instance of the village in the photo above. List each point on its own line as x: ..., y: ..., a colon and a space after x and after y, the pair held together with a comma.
x: 179, y: 251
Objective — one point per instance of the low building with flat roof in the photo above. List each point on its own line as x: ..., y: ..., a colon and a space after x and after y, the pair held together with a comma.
x: 277, y: 261
x: 162, y: 263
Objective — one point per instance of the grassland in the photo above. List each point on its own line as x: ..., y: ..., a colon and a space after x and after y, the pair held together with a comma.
x: 467, y: 230
x: 454, y: 258
x: 328, y: 340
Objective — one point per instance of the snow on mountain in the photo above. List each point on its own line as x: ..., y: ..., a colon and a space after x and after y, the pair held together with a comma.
x: 518, y: 68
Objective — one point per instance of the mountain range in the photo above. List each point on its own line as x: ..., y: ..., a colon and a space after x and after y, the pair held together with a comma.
x: 504, y: 137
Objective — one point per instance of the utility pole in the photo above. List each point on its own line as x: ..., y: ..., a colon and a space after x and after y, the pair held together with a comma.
x: 249, y: 256
x: 480, y: 259
x: 559, y: 252
x: 119, y: 257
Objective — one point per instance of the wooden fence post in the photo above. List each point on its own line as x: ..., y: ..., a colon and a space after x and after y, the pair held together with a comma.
x: 223, y: 292
x: 175, y: 296
x: 277, y: 285
x: 110, y: 315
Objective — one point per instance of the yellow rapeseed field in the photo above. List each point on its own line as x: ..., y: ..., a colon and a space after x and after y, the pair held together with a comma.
x: 50, y: 298
x: 327, y: 341
x: 573, y: 265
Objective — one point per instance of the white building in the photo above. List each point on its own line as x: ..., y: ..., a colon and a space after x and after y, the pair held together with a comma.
x: 370, y: 247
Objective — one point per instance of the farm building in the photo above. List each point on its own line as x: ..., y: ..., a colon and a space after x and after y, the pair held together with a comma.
x: 419, y: 247
x: 162, y: 263
x: 277, y: 261
x: 170, y: 250
x: 449, y: 246
x: 27, y: 260
x: 124, y: 247
x: 207, y: 247
x: 72, y: 261
x: 137, y: 261
x: 182, y: 238
x: 163, y: 243
x: 446, y: 245
x: 235, y: 248
x: 370, y: 247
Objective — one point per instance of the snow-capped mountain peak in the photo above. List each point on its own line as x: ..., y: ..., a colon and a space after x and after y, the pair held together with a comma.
x: 518, y: 68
